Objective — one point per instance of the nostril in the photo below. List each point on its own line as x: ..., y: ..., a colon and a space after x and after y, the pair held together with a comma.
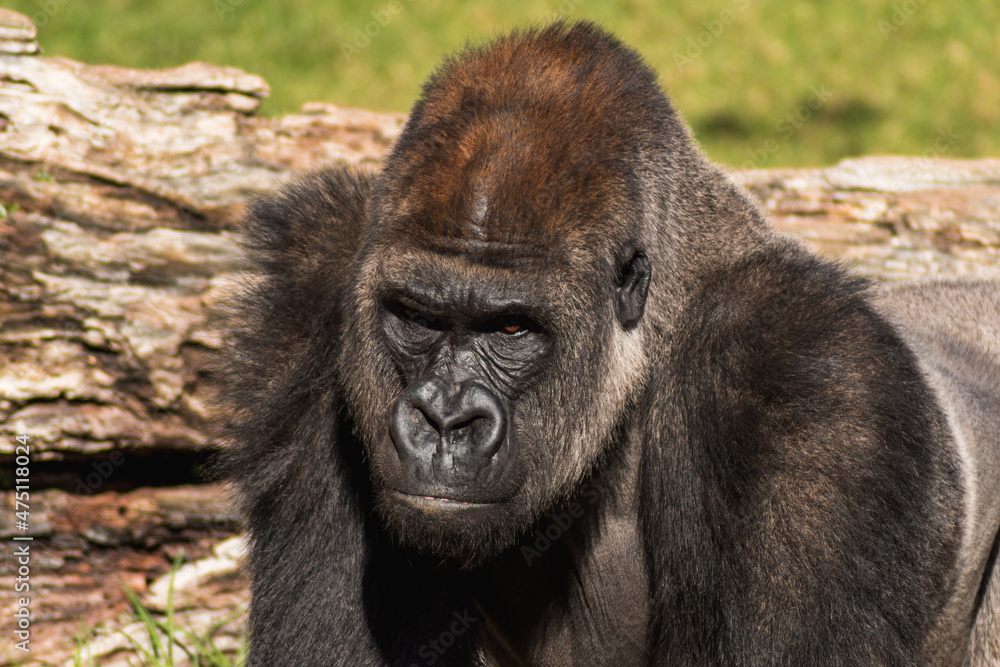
x: 430, y: 417
x: 473, y: 432
x: 420, y: 415
x: 482, y: 413
x: 465, y: 424
x: 410, y: 430
x: 462, y: 430
x: 429, y: 398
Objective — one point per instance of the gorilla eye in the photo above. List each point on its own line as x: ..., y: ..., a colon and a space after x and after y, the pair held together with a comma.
x: 513, y: 326
x: 413, y: 316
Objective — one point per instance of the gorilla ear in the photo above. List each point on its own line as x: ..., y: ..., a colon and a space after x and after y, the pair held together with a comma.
x: 633, y: 285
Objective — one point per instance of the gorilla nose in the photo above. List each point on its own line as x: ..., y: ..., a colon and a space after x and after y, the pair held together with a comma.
x: 453, y: 431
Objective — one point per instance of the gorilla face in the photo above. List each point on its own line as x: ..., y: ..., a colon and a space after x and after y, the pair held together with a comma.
x: 464, y: 367
x: 478, y: 431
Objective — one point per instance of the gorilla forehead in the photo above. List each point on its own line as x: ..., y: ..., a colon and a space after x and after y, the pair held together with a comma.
x: 532, y: 139
x: 479, y: 282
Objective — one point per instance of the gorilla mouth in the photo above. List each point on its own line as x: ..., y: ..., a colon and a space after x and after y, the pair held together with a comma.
x: 433, y: 503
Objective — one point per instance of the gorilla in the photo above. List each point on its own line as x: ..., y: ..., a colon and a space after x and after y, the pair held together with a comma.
x: 547, y: 390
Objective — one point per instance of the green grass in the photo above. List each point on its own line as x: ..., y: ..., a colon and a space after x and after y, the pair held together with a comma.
x: 898, y: 73
x: 166, y: 643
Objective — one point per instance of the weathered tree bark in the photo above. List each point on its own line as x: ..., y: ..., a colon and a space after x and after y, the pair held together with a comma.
x: 122, y: 193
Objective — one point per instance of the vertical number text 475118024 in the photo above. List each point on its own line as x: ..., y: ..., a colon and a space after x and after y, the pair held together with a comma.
x: 22, y: 548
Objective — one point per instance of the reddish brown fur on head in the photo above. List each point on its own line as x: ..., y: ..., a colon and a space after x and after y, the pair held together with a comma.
x: 531, y: 140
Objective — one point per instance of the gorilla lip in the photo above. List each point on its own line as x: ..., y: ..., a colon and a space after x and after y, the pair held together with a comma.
x: 434, y: 502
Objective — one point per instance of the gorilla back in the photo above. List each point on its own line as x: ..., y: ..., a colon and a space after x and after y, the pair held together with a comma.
x: 547, y: 390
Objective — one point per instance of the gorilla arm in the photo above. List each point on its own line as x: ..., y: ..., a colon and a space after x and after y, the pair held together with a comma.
x: 813, y: 502
x: 275, y: 350
x: 954, y: 327
x: 302, y: 483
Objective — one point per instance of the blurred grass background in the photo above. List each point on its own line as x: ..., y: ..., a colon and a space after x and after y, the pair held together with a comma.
x: 762, y: 82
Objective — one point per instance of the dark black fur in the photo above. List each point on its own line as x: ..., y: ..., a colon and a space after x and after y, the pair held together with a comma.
x: 775, y: 486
